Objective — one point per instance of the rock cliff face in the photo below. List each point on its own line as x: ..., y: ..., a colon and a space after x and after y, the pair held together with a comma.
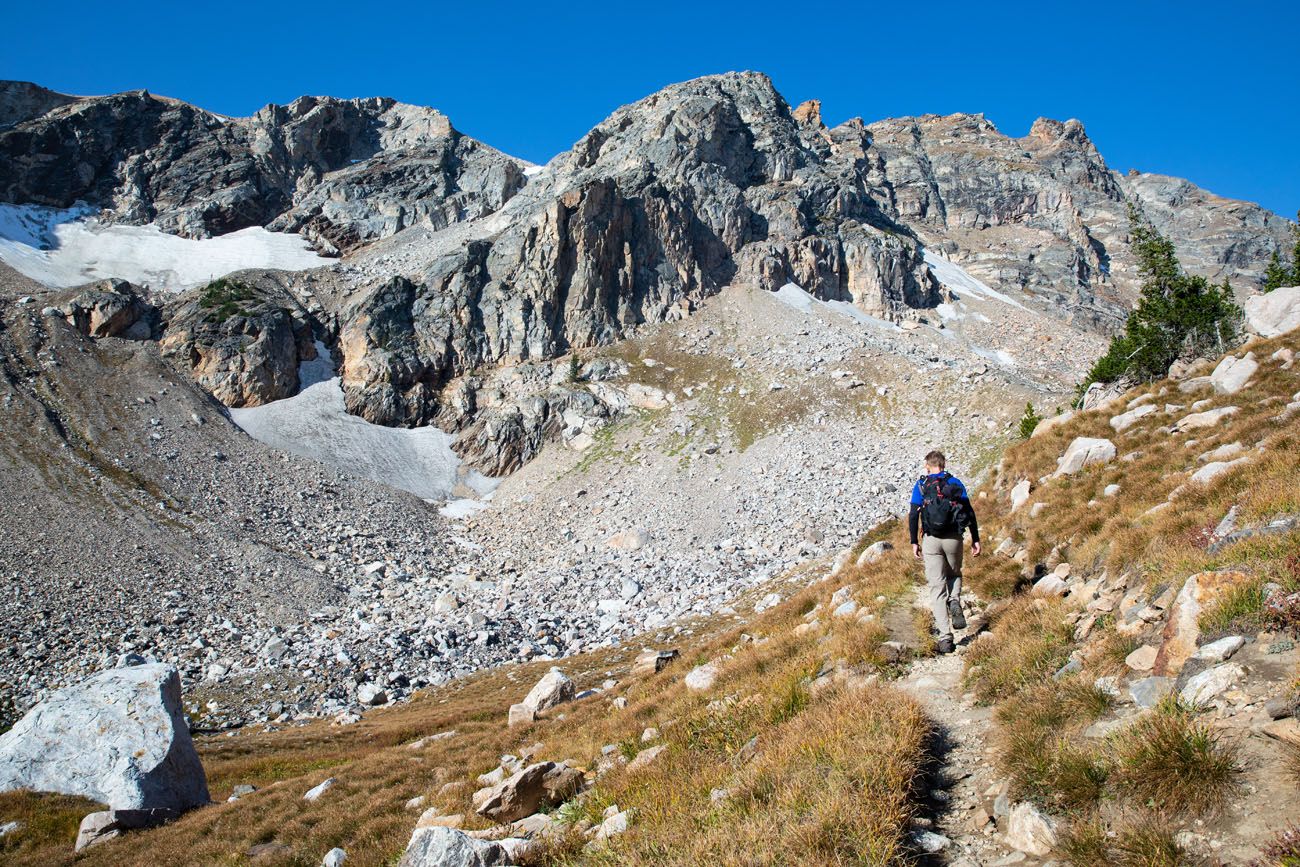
x: 1045, y: 214
x: 670, y: 199
x: 457, y: 260
x: 144, y: 158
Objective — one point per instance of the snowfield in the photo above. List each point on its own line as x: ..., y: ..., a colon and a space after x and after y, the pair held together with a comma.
x: 314, y: 424
x: 65, y: 247
x: 795, y: 296
x: 957, y: 279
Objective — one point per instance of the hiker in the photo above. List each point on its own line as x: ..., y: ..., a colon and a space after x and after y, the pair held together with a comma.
x: 940, y: 502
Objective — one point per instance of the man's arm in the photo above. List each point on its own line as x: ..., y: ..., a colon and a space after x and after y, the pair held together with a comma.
x: 913, y: 519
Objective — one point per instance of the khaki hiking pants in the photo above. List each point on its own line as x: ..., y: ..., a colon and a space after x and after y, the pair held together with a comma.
x: 942, y: 578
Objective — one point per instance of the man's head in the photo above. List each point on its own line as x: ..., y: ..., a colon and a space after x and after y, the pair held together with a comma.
x: 935, y: 461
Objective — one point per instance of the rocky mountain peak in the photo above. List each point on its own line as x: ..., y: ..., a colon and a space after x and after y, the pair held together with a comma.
x: 22, y: 100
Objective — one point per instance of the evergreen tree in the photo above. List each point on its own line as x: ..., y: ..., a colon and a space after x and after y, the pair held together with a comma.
x: 1278, y: 274
x: 1177, y: 314
x: 1029, y: 421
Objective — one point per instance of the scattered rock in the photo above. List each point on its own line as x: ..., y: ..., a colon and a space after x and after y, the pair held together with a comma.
x: 334, y: 858
x: 874, y: 552
x: 107, y: 824
x: 702, y: 677
x: 545, y: 784
x: 1020, y: 493
x: 448, y: 847
x: 553, y: 689
x: 1280, y: 706
x: 371, y: 694
x: 1232, y: 374
x: 1049, y: 585
x: 1221, y: 650
x: 1126, y: 420
x: 650, y: 662
x: 315, y: 792
x: 1199, y: 420
x: 629, y: 540
x: 645, y: 757
x: 1030, y: 831
x: 1149, y: 691
x: 520, y: 714
x: 1142, y: 659
x: 1203, y: 688
x: 1083, y: 452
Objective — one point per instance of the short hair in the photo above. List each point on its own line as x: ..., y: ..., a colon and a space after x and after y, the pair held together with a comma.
x: 936, y: 459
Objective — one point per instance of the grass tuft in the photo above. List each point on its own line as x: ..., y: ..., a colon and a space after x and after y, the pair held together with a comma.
x: 1172, y: 761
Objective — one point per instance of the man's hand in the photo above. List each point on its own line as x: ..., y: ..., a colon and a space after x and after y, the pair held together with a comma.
x: 916, y: 551
x: 975, y: 549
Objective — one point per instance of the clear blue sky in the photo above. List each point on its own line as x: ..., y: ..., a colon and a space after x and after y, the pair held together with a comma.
x: 1203, y: 90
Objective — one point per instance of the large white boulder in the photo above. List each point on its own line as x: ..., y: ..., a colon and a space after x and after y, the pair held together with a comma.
x: 1124, y: 421
x: 447, y: 847
x: 1232, y: 373
x: 1082, y: 452
x: 1208, y: 418
x: 1275, y: 312
x: 553, y: 689
x: 119, y: 738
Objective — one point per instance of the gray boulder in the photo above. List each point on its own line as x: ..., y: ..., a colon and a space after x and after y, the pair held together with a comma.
x: 545, y: 784
x: 553, y: 689
x: 107, y: 824
x: 119, y: 738
x: 447, y: 847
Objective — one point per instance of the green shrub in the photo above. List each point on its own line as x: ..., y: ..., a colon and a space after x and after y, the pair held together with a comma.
x: 224, y: 298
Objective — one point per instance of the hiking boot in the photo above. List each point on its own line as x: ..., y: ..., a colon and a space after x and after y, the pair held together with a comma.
x: 944, y: 645
x: 954, y: 611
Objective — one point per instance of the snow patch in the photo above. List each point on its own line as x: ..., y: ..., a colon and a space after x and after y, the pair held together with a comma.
x: 65, y: 247
x: 314, y: 424
x: 955, y: 277
x: 793, y: 295
x: 998, y: 356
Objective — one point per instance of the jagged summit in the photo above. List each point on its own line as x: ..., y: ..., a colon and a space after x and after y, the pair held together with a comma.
x: 460, y: 259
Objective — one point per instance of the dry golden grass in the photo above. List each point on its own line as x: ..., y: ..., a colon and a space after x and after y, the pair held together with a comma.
x: 1168, y: 759
x: 1131, y: 840
x: 1028, y: 641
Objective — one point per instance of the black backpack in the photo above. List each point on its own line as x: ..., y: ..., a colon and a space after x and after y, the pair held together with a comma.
x: 940, y: 506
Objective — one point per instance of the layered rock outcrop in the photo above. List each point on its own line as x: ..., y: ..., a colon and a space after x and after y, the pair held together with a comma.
x: 1044, y: 213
